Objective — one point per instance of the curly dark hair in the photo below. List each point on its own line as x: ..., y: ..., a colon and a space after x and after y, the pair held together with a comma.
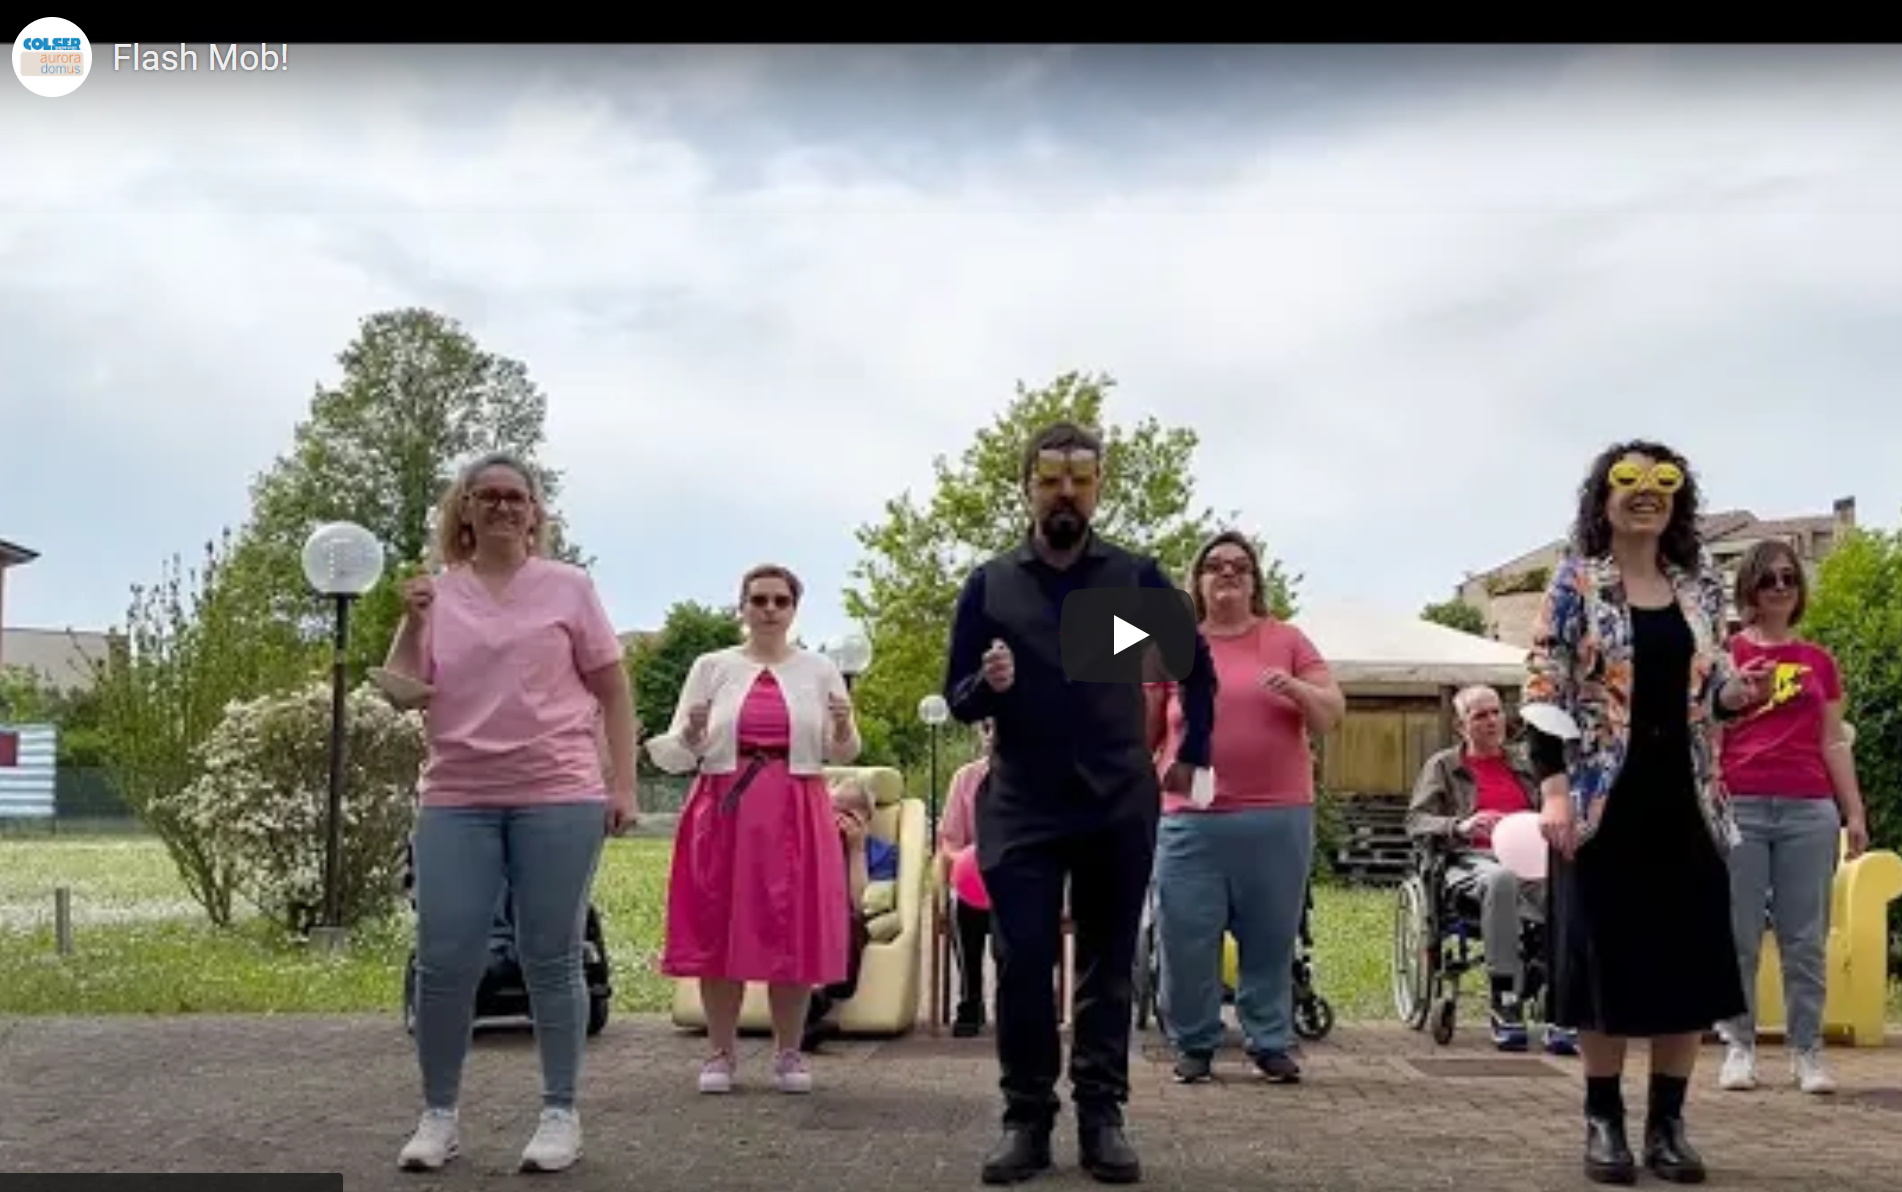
x: 1681, y: 544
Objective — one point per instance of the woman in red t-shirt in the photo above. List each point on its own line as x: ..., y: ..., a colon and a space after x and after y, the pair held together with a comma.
x: 1792, y: 782
x: 1239, y: 864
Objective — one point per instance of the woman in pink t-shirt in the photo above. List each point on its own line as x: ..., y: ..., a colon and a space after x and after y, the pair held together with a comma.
x: 1792, y: 781
x: 971, y: 925
x: 526, y: 676
x: 1240, y: 865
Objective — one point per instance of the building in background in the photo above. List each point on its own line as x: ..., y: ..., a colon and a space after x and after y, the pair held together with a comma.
x: 1508, y: 595
x: 11, y: 556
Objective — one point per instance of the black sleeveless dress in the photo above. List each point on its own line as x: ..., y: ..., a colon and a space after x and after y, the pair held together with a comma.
x: 1640, y: 936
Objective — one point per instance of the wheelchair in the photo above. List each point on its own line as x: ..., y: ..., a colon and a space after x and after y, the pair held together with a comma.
x: 1437, y: 941
x: 502, y: 993
x: 1313, y: 1015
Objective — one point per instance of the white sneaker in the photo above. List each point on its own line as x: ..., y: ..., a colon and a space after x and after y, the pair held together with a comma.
x: 1739, y: 1074
x: 716, y: 1075
x: 557, y: 1142
x: 435, y: 1142
x: 1810, y: 1074
x: 791, y: 1074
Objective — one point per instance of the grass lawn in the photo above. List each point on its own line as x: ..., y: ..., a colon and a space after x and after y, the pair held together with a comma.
x: 142, y: 947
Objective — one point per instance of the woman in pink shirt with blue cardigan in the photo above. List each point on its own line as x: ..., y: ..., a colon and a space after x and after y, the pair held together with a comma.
x: 525, y: 674
x: 1241, y: 864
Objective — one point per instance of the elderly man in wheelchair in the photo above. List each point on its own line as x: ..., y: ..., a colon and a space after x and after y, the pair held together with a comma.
x: 1460, y: 889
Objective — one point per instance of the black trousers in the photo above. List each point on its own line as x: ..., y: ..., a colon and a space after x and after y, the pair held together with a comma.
x: 971, y: 933
x: 826, y: 997
x: 1106, y: 871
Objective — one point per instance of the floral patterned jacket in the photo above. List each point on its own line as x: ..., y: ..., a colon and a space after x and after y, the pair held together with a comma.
x: 1581, y: 662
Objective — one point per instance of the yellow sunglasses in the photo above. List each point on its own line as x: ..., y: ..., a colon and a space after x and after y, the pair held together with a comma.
x: 1079, y: 466
x: 1626, y: 476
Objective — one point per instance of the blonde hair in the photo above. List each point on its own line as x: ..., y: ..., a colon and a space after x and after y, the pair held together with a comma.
x: 854, y: 789
x: 454, y: 541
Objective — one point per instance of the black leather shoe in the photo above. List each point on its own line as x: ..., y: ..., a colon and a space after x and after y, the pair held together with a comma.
x: 1608, y: 1158
x: 1021, y: 1154
x: 1670, y: 1155
x: 1105, y: 1153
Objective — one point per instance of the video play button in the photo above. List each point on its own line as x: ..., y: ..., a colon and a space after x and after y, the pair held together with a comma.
x: 1123, y: 635
x: 1127, y: 635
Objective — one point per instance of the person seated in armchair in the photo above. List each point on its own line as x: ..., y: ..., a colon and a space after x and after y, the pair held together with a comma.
x: 1461, y: 794
x: 971, y: 925
x: 868, y: 860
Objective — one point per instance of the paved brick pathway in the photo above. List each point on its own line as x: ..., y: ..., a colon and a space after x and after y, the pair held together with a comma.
x: 1382, y: 1110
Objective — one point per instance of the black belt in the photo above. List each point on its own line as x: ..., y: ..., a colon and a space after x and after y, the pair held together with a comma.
x: 756, y: 760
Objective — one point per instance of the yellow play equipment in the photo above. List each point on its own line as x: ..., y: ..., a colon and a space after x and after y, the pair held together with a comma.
x: 1858, y: 958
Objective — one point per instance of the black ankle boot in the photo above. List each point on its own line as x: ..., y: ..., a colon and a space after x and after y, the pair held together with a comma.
x: 1104, y: 1151
x: 1608, y: 1158
x: 1020, y: 1154
x: 1669, y: 1154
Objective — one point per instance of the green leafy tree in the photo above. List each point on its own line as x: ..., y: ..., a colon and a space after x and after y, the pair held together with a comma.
x: 192, y: 646
x: 1456, y: 614
x: 658, y: 662
x: 418, y: 397
x: 914, y: 560
x: 26, y: 696
x: 1856, y: 611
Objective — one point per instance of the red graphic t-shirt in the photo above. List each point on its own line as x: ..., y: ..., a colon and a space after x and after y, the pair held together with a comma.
x: 1499, y: 791
x: 1776, y: 748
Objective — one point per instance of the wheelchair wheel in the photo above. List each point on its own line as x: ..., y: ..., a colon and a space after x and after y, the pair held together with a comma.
x: 1313, y: 1018
x: 598, y: 1009
x: 1445, y: 1017
x: 409, y: 994
x: 1415, y: 953
x: 1146, y: 977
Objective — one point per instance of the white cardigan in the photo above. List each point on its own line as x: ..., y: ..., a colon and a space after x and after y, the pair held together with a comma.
x: 726, y: 676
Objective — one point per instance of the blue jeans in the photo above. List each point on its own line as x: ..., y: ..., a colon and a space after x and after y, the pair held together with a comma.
x: 1786, y: 868
x: 464, y: 855
x: 1244, y: 873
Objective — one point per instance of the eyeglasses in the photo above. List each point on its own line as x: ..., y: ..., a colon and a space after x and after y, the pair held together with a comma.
x: 1781, y: 579
x: 770, y: 600
x: 496, y: 498
x: 1081, y: 466
x: 1625, y: 476
x: 1226, y: 567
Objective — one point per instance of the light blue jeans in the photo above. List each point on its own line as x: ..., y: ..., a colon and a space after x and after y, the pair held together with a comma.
x: 1244, y: 873
x: 1785, y: 869
x: 547, y: 856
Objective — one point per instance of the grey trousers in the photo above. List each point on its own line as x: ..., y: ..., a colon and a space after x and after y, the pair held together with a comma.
x: 1506, y: 903
x: 1784, y: 871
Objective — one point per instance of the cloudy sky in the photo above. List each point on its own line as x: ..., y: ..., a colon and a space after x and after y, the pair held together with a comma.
x: 1403, y: 294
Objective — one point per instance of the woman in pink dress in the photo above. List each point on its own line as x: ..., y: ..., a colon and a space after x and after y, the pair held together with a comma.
x: 758, y: 877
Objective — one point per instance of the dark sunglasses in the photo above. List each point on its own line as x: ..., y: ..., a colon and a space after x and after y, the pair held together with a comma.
x: 1781, y: 579
x: 769, y: 600
x: 496, y: 498
x: 1226, y: 567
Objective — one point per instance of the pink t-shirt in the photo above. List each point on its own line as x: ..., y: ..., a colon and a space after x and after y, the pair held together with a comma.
x: 1777, y: 748
x: 511, y: 721
x: 1260, y: 749
x: 959, y: 829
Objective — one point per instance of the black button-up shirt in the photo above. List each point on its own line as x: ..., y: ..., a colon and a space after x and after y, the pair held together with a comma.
x: 1063, y: 753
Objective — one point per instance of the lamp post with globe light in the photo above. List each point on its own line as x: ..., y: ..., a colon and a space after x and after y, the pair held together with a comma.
x: 342, y: 561
x: 852, y: 655
x: 934, y: 712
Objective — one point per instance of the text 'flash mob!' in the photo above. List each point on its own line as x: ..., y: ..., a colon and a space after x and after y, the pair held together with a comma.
x: 264, y: 56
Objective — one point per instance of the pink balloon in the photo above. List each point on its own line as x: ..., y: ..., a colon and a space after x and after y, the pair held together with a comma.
x: 967, y: 881
x: 1520, y: 846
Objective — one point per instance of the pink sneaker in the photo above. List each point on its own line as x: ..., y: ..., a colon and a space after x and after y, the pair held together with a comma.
x: 716, y: 1075
x: 791, y: 1074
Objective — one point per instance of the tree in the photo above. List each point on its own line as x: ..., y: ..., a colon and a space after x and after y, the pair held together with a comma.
x: 904, y: 587
x: 1856, y: 612
x: 26, y: 697
x: 418, y: 397
x: 658, y: 663
x: 192, y: 646
x: 1456, y: 614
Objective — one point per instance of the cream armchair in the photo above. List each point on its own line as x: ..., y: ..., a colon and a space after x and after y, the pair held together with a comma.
x: 890, y: 975
x: 1858, y: 955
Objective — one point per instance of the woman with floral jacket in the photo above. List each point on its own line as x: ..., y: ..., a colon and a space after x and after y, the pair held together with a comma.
x: 1628, y: 675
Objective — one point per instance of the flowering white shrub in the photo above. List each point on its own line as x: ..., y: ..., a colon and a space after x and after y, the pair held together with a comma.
x: 260, y: 803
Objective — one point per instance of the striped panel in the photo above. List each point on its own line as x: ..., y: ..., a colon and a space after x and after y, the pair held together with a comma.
x: 27, y: 786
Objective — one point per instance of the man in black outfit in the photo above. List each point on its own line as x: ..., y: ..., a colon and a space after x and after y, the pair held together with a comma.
x: 1074, y: 800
